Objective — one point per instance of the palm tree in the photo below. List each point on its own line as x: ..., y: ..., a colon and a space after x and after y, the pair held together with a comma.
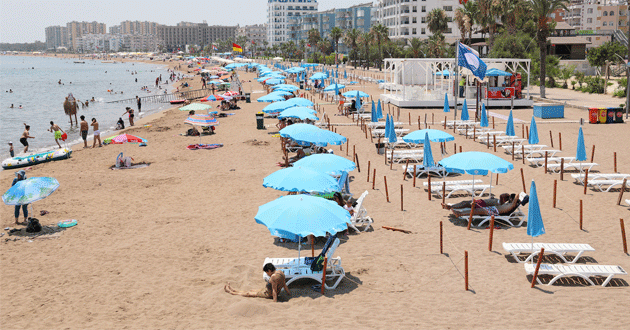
x: 511, y: 12
x: 336, y: 34
x: 437, y: 21
x: 465, y: 18
x: 415, y: 48
x: 489, y: 11
x: 380, y: 33
x: 541, y: 10
x: 313, y: 37
x: 350, y: 39
x: 365, y: 40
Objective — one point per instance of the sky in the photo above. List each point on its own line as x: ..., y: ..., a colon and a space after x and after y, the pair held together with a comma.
x: 25, y: 20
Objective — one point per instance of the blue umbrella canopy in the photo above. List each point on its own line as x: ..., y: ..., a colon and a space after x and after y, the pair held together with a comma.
x: 476, y: 163
x: 374, y: 116
x: 305, y: 134
x: 299, y: 113
x: 302, y: 215
x: 465, y: 111
x: 300, y: 101
x: 447, y: 108
x: 496, y: 72
x: 580, y: 154
x: 274, y: 81
x: 427, y: 160
x: 358, y: 100
x: 354, y: 94
x: 391, y: 134
x: 535, y: 226
x: 277, y: 107
x: 30, y: 190
x: 318, y: 76
x: 285, y: 86
x: 435, y: 135
x: 379, y: 112
x: 271, y: 97
x: 298, y: 179
x: 327, y: 163
x: 509, y: 129
x: 533, y: 132
x: 484, y: 116
x: 334, y: 87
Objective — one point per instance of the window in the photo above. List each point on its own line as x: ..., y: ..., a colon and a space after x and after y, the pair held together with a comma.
x: 447, y: 8
x: 605, y: 24
x: 589, y: 11
x: 413, y: 31
x: 424, y: 9
x: 414, y: 9
x: 588, y: 39
x: 422, y: 31
x: 414, y: 20
x: 605, y: 13
x: 612, y: 13
x: 611, y: 24
x: 423, y: 19
x: 589, y: 20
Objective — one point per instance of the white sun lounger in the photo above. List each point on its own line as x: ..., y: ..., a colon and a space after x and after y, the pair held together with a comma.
x: 457, y: 189
x: 360, y: 217
x: 453, y: 182
x: 579, y: 177
x: 297, y: 268
x: 382, y: 124
x: 559, y: 249
x: 573, y: 165
x: 540, y: 161
x: 404, y: 155
x: 420, y: 170
x: 380, y: 132
x: 509, y: 219
x: 398, y: 143
x: 583, y: 271
x: 628, y: 202
x: 601, y: 184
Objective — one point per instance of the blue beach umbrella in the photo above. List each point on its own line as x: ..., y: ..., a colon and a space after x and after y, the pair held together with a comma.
x: 327, y: 163
x: 379, y: 112
x: 580, y: 154
x: 285, y: 86
x: 277, y: 107
x: 465, y: 111
x: 353, y: 94
x: 358, y: 101
x: 302, y: 215
x: 298, y: 179
x: 484, y: 116
x: 391, y: 137
x: 30, y: 190
x: 334, y: 87
x: 337, y: 89
x: 345, y: 74
x: 305, y: 134
x: 274, y: 81
x: 300, y: 101
x: 476, y: 163
x: 427, y: 161
x: 374, y: 116
x: 299, y: 113
x: 271, y: 97
x: 447, y: 108
x: 533, y: 132
x: 509, y: 129
x: 435, y: 135
x: 535, y: 225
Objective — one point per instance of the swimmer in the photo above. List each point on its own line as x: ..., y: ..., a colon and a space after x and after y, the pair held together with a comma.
x: 20, y: 106
x: 59, y: 82
x: 11, y: 107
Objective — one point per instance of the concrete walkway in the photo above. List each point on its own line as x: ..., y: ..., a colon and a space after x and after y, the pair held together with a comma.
x: 576, y: 99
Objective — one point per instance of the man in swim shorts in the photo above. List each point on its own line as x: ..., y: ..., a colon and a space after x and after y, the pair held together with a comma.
x: 276, y: 283
x: 25, y: 137
x: 342, y: 100
x: 97, y: 133
x: 84, y: 131
x: 57, y: 131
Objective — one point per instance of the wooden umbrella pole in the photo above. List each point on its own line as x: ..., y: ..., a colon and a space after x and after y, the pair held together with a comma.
x: 523, y: 180
x: 386, y: 190
x: 623, y: 236
x: 368, y: 172
x: 540, y: 257
x: 429, y: 184
x: 373, y: 179
x: 491, y: 233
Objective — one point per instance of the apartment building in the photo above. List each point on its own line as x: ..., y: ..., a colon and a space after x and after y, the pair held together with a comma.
x: 255, y: 34
x: 187, y: 33
x: 135, y: 27
x: 116, y: 43
x: 283, y: 16
x: 56, y: 36
x: 599, y: 21
x: 78, y: 29
x: 355, y: 17
x: 408, y: 18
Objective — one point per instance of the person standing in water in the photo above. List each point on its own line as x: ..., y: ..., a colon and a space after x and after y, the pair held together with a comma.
x: 139, y: 101
x: 25, y: 137
x: 57, y: 131
x: 84, y: 131
x: 129, y: 111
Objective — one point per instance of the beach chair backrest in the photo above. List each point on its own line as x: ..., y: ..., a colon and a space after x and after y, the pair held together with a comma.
x: 359, y: 208
x: 332, y: 248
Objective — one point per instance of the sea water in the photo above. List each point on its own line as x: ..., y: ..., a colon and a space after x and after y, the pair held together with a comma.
x: 34, y: 82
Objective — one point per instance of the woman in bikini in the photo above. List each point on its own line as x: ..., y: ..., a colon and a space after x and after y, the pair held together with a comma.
x: 506, y: 206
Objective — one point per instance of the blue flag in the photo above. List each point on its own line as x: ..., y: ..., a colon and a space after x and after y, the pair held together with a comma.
x: 470, y: 60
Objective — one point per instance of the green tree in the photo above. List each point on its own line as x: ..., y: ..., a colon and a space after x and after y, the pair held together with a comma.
x: 415, y: 48
x: 350, y: 39
x: 313, y: 37
x: 437, y: 21
x: 565, y: 73
x: 365, y: 40
x: 541, y: 10
x: 380, y: 33
x: 487, y: 15
x: 335, y: 34
x: 465, y: 18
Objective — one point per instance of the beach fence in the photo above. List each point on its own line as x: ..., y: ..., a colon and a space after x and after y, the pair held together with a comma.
x: 163, y: 98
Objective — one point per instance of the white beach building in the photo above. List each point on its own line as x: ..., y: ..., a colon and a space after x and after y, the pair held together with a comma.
x: 282, y: 15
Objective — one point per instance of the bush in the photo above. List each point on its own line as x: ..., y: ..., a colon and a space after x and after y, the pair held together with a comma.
x: 593, y: 85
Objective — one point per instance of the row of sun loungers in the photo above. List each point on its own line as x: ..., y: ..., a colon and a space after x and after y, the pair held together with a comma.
x: 381, y: 132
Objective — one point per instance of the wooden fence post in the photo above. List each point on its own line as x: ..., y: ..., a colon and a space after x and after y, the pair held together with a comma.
x: 401, y: 198
x: 429, y: 183
x: 593, y: 154
x: 623, y: 189
x: 324, y: 274
x: 585, y: 180
x: 623, y: 237
x: 545, y: 162
x: 560, y: 141
x: 523, y: 180
x: 615, y: 161
x: 386, y: 190
x: 472, y: 210
x: 555, y: 187
x: 415, y: 169
x: 551, y: 138
x: 406, y: 169
x: 581, y: 214
x: 373, y: 179
x: 356, y: 160
x: 443, y: 192
x: 561, y: 169
x: 466, y: 268
x: 441, y: 242
x: 491, y: 233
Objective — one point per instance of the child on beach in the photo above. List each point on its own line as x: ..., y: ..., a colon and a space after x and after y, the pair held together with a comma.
x: 57, y: 131
x: 11, y: 149
x: 25, y: 137
x: 277, y: 282
x: 84, y: 131
x: 97, y: 133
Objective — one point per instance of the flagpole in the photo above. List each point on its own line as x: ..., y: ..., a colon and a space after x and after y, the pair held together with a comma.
x: 456, y: 88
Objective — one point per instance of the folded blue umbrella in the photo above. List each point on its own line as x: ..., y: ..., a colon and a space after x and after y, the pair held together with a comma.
x: 535, y: 225
x: 533, y: 132
x: 509, y: 129
x: 465, y: 111
x: 580, y: 154
x: 447, y: 108
x: 379, y: 112
x: 484, y: 116
x: 374, y: 117
x: 427, y: 160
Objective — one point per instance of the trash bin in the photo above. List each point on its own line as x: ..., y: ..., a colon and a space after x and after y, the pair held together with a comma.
x: 301, y: 85
x: 260, y: 120
x: 603, y: 114
x: 619, y: 115
x: 248, y: 98
x: 380, y: 148
x: 593, y: 115
x: 611, y: 115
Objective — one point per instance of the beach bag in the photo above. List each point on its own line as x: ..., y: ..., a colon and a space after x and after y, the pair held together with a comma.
x: 33, y: 226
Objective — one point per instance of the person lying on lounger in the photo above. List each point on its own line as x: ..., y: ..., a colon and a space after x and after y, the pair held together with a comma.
x: 276, y: 283
x: 480, y: 202
x: 504, y: 208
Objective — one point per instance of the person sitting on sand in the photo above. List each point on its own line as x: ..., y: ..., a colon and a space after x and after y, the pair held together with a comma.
x: 505, y: 208
x: 57, y: 131
x: 277, y: 282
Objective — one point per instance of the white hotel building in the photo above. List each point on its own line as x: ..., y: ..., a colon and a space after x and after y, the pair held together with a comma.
x: 282, y: 15
x: 408, y: 18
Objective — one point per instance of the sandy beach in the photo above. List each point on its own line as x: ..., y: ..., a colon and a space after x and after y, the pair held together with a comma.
x: 155, y: 246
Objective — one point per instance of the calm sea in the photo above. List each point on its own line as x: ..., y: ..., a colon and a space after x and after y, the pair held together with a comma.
x: 34, y: 82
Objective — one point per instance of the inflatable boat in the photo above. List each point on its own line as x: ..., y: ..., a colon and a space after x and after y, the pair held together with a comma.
x: 21, y: 161
x: 177, y: 101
